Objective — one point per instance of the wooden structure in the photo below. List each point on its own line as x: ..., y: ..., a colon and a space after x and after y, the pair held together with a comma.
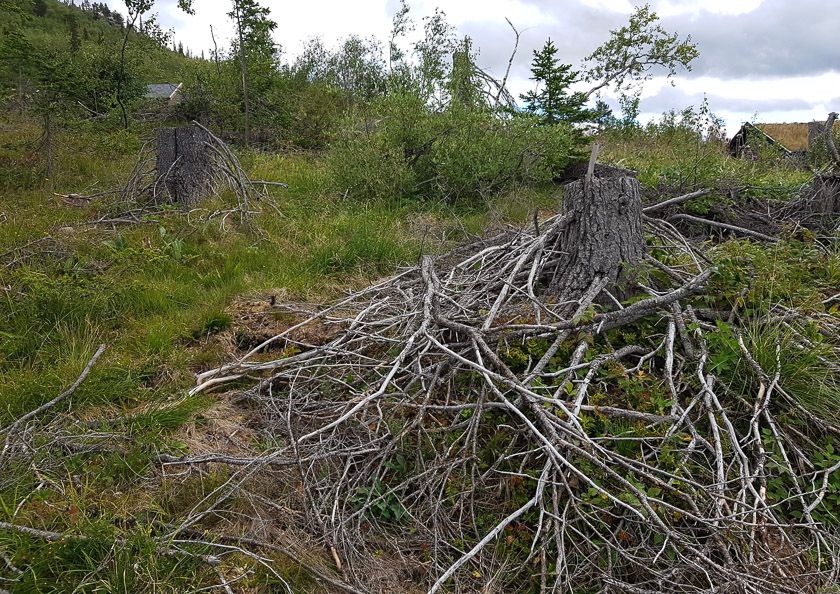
x: 749, y: 140
x: 790, y: 140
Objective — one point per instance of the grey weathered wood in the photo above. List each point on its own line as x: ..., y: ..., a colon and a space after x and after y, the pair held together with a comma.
x: 829, y: 137
x: 605, y: 236
x: 825, y: 203
x: 183, y: 163
x: 815, y: 132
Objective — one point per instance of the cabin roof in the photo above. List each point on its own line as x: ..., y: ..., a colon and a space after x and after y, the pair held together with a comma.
x: 162, y: 90
x: 792, y: 136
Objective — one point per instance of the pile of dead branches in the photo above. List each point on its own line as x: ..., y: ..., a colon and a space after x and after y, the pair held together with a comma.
x: 149, y: 186
x: 462, y: 417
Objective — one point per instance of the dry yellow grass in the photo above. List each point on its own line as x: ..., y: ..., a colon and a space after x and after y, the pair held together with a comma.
x: 793, y: 137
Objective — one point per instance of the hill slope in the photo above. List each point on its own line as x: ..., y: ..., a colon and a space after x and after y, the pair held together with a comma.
x: 49, y: 26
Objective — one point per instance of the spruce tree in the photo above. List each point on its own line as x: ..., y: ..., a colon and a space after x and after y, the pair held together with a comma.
x: 552, y: 101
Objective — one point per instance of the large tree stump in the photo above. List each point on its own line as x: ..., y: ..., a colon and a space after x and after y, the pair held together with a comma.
x: 605, y: 237
x: 824, y: 205
x: 183, y: 163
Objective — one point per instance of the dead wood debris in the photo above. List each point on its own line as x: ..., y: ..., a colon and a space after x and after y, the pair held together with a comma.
x: 461, y: 403
x: 390, y: 428
x: 145, y: 191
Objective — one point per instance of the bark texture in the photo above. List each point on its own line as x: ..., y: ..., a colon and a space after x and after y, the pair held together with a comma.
x: 829, y: 137
x: 825, y: 204
x: 604, y: 238
x: 183, y: 163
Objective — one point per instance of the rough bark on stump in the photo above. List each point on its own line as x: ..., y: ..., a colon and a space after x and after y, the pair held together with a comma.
x: 183, y: 163
x: 605, y: 236
x: 825, y: 204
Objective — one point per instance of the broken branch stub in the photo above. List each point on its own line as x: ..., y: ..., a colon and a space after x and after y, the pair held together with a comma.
x: 184, y: 163
x: 829, y: 137
x: 603, y: 238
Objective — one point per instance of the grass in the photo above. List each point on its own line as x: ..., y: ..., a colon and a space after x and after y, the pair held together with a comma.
x: 156, y: 293
x: 673, y: 160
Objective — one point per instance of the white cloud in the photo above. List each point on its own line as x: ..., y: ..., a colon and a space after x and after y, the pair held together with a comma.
x: 611, y: 5
x: 728, y: 7
x: 523, y: 13
x: 677, y: 7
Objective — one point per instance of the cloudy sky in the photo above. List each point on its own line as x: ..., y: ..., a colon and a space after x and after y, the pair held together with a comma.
x: 777, y: 59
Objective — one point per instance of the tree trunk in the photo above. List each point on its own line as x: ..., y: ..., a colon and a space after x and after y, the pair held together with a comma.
x: 243, y: 63
x: 604, y: 240
x: 183, y: 163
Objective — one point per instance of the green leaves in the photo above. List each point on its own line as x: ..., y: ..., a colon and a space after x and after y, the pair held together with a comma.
x: 634, y: 51
x: 380, y: 503
x: 725, y: 353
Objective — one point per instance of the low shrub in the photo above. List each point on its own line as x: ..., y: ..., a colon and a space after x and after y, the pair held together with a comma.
x: 457, y: 155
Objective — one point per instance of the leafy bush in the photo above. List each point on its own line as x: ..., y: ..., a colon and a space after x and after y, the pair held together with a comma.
x: 367, y: 165
x: 458, y: 155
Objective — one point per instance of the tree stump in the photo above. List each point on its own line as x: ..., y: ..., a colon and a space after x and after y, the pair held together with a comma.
x: 825, y: 203
x: 183, y: 163
x: 604, y: 239
x: 816, y: 130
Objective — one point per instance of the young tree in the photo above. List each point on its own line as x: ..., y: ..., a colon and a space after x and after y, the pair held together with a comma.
x: 55, y: 78
x: 398, y: 70
x: 358, y: 69
x: 432, y: 52
x: 553, y: 100
x: 629, y: 103
x: 635, y: 51
x: 603, y: 115
x: 136, y: 10
x: 463, y: 86
x: 253, y: 27
x: 18, y: 54
x: 73, y: 28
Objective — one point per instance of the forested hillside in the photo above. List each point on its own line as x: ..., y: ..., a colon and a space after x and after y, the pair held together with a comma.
x: 364, y: 320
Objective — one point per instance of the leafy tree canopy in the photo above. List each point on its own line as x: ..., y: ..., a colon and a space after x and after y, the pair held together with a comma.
x: 634, y: 52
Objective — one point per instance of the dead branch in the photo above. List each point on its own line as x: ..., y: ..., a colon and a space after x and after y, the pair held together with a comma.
x: 388, y: 424
x: 675, y: 201
x: 727, y: 226
x: 503, y: 83
x: 58, y: 399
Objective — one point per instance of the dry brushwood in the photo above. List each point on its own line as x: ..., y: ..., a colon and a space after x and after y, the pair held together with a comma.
x: 464, y: 404
x: 173, y: 175
x: 12, y: 432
